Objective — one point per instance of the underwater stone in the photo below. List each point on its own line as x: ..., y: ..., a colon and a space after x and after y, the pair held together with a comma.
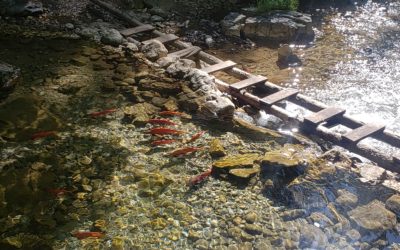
x: 245, y: 172
x: 216, y: 148
x: 141, y: 112
x: 285, y: 156
x: 393, y: 204
x: 236, y: 161
x: 373, y: 217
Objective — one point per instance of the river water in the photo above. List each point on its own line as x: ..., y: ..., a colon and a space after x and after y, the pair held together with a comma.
x: 354, y: 62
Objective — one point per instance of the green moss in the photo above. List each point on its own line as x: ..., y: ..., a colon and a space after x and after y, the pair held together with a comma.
x: 268, y: 5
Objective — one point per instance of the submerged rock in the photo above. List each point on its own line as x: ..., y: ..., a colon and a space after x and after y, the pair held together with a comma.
x: 312, y: 237
x: 245, y: 172
x: 287, y: 156
x: 235, y: 161
x: 373, y: 217
x: 140, y: 112
x: 9, y: 76
x: 393, y: 204
x: 216, y: 148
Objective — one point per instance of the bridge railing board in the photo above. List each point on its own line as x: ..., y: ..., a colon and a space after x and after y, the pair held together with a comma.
x: 388, y: 162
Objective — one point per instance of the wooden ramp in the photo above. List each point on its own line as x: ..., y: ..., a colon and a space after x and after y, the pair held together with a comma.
x: 315, y: 124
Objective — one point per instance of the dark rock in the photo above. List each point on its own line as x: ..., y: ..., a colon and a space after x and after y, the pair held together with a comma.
x: 20, y: 8
x: 9, y: 76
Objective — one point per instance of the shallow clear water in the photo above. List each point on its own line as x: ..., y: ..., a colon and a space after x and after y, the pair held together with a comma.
x: 365, y: 80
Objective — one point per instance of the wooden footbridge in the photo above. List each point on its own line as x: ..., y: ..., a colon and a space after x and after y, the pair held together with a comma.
x: 318, y: 123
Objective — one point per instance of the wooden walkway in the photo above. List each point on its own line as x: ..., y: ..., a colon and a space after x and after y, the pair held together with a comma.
x: 318, y: 123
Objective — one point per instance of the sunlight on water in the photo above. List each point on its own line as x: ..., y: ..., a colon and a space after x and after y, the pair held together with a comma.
x: 367, y: 85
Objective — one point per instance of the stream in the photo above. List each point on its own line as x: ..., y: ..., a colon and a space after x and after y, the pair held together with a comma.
x: 83, y: 166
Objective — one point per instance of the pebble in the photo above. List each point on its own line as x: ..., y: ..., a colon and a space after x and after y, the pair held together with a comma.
x: 201, y: 244
x: 253, y: 229
x: 69, y: 26
x: 251, y: 217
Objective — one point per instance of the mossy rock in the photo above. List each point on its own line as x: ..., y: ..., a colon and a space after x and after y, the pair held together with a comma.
x: 287, y: 156
x: 235, y: 161
x: 216, y: 148
x: 245, y: 172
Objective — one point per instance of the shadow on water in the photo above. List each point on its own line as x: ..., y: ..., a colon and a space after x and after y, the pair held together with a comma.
x: 50, y: 187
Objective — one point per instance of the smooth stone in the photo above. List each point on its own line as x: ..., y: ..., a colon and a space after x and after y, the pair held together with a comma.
x: 393, y: 204
x: 79, y: 61
x: 111, y: 37
x: 251, y: 217
x: 321, y: 219
x: 346, y: 198
x: 253, y: 229
x: 312, y: 237
x: 201, y: 244
x: 373, y: 217
x: 287, y: 156
x: 154, y: 50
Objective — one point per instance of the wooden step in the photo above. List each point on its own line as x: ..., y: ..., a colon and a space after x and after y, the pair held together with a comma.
x: 219, y: 66
x: 185, y: 53
x: 138, y: 29
x: 362, y: 132
x: 323, y: 115
x: 247, y: 83
x: 167, y: 38
x: 278, y: 96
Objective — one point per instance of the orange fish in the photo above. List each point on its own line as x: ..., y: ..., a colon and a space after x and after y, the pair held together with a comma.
x: 196, y: 136
x: 42, y: 134
x: 171, y: 113
x: 162, y: 142
x: 164, y: 131
x: 199, y: 178
x: 184, y: 151
x: 161, y: 121
x: 101, y: 113
x: 85, y: 234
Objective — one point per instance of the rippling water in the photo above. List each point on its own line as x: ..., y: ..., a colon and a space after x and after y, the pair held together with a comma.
x: 365, y: 80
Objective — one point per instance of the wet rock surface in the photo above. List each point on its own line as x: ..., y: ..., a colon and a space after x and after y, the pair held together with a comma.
x: 278, y: 26
x: 8, y: 76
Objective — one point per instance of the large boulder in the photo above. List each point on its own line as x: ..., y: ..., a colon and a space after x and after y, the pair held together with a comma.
x: 20, y: 7
x: 8, y: 76
x: 279, y: 26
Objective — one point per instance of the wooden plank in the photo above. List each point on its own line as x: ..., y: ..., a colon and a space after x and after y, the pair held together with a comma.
x: 185, y: 53
x: 323, y: 115
x: 362, y: 132
x: 138, y: 29
x: 219, y: 66
x: 278, y: 96
x: 167, y: 38
x: 247, y: 83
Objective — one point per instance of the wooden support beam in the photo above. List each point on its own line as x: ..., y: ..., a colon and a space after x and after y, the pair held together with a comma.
x: 248, y: 82
x: 185, y: 53
x: 323, y: 116
x: 362, y: 132
x: 278, y: 96
x: 138, y: 29
x: 167, y: 38
x: 219, y: 66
